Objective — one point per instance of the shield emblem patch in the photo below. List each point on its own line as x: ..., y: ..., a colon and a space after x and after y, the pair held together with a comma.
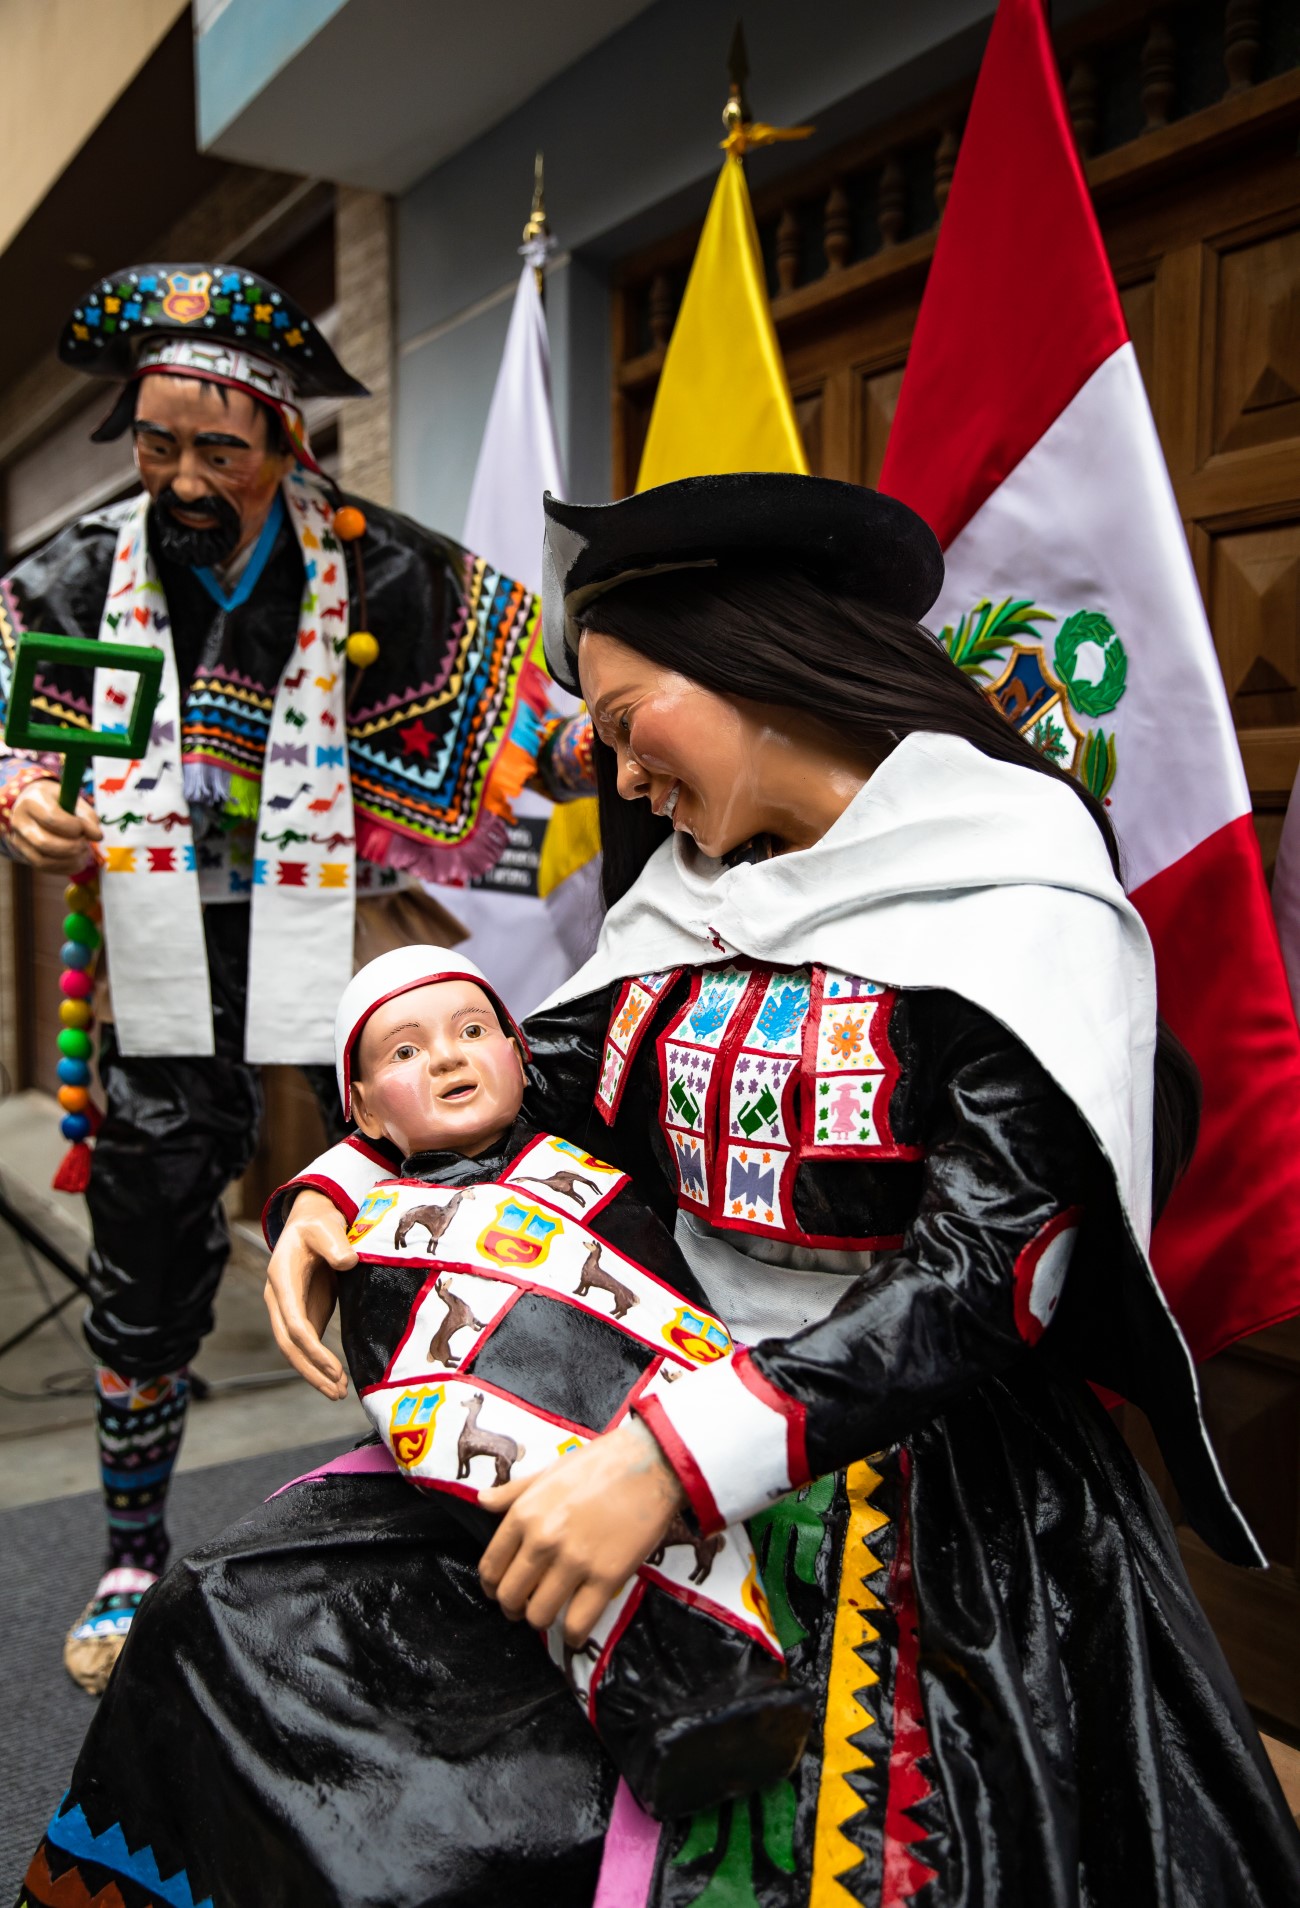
x: 696, y: 1337
x: 520, y: 1236
x: 374, y: 1207
x: 411, y: 1424
x: 187, y: 297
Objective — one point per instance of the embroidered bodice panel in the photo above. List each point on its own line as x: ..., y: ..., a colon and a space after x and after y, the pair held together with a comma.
x: 762, y: 1077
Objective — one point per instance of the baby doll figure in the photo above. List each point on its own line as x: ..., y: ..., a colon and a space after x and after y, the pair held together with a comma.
x: 512, y: 1296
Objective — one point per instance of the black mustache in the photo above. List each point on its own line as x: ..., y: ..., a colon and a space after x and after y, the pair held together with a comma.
x: 185, y: 544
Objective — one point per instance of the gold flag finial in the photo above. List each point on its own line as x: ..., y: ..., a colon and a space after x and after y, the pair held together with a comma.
x: 537, y: 233
x: 736, y: 111
x: 742, y: 129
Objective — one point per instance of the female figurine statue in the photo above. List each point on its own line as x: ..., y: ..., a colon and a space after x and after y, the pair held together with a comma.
x: 872, y: 1024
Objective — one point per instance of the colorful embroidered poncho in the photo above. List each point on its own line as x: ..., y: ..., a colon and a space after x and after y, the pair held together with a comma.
x: 441, y: 733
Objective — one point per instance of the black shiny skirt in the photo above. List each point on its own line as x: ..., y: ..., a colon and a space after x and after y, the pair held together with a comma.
x: 1021, y: 1706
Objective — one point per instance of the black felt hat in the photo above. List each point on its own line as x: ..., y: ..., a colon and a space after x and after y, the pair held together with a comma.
x: 225, y: 304
x: 850, y: 537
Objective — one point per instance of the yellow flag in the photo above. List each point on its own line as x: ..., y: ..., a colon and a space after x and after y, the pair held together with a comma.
x: 723, y: 402
x: 572, y: 837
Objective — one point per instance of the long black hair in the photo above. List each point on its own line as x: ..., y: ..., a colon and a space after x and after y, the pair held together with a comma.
x: 776, y: 634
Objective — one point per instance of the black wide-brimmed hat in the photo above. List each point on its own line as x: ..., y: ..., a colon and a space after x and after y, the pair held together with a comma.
x: 845, y: 535
x: 228, y: 304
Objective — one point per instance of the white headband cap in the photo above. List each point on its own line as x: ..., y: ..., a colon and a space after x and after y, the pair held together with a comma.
x: 394, y: 973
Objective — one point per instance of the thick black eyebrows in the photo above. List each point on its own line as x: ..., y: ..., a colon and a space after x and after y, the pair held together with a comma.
x: 141, y: 427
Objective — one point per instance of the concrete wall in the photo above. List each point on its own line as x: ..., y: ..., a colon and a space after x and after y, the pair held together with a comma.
x: 243, y: 44
x: 65, y: 62
x: 630, y: 135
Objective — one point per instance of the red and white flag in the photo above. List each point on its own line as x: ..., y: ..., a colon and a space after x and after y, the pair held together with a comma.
x: 1024, y: 436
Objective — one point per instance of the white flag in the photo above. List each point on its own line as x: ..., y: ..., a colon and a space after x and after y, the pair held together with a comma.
x: 519, y: 457
x: 524, y: 945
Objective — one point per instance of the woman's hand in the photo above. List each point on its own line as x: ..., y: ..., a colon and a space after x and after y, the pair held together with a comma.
x: 572, y: 1536
x: 47, y: 836
x: 300, y: 1288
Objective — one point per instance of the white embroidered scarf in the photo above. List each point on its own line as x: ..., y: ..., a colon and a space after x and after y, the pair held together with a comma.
x: 303, y: 878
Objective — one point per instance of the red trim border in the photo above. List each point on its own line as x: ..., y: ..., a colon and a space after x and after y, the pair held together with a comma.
x: 1028, y: 1259
x: 689, y: 1475
x: 318, y: 1183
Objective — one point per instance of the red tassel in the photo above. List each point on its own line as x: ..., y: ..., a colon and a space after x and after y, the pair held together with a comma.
x: 73, y: 1175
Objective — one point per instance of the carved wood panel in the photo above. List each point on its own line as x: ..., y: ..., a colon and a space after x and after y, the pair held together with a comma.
x: 1255, y: 614
x: 1257, y: 344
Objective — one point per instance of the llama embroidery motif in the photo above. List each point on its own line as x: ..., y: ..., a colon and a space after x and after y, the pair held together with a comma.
x: 434, y: 1219
x: 475, y: 1442
x: 458, y: 1317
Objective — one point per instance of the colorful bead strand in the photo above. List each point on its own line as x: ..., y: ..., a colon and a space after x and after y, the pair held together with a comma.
x: 82, y: 940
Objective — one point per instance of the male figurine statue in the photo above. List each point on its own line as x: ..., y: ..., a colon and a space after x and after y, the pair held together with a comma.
x: 337, y: 690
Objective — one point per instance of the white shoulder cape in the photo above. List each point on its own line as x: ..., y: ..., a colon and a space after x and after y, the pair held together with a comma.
x: 948, y: 870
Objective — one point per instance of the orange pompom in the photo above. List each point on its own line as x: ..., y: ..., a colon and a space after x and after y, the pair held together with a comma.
x: 73, y: 1099
x: 349, y: 523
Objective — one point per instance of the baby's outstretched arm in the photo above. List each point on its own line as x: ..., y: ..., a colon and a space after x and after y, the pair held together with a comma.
x: 300, y: 1287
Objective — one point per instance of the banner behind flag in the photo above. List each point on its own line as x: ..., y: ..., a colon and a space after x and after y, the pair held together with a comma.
x: 525, y: 945
x: 723, y: 402
x: 1070, y: 595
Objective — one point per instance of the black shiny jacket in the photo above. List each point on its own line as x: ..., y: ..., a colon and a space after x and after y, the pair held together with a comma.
x: 1005, y: 1152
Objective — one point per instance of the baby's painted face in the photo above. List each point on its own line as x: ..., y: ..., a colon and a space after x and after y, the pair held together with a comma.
x: 434, y: 1072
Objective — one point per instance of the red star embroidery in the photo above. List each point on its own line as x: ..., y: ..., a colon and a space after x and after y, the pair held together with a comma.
x: 416, y: 739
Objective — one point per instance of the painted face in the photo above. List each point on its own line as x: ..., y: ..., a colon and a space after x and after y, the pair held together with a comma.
x: 435, y: 1072
x: 692, y: 754
x: 202, y: 454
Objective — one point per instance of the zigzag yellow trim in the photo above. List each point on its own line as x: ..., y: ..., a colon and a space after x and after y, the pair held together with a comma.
x: 846, y: 1713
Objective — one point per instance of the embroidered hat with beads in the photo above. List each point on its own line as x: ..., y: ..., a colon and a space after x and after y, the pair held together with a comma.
x: 221, y: 323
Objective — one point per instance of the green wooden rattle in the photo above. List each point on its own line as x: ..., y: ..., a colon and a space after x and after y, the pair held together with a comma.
x: 82, y: 931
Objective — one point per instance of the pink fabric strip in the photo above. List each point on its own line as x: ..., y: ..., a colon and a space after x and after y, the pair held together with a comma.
x: 370, y: 1457
x: 631, y: 1842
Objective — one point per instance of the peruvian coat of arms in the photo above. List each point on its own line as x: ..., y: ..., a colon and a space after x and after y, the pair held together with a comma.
x: 1052, y: 686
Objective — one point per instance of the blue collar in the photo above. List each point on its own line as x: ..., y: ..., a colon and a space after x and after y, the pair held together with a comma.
x: 252, y: 569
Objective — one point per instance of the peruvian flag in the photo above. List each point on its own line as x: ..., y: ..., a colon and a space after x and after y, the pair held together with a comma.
x: 1023, y: 435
